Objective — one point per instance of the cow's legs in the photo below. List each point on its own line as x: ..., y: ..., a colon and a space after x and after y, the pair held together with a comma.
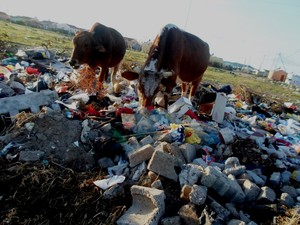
x: 114, y: 74
x: 194, y: 87
x: 103, y: 74
x: 184, y: 89
x: 169, y: 88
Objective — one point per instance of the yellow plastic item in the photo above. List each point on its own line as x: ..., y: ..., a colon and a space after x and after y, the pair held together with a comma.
x: 191, y: 137
x: 238, y: 104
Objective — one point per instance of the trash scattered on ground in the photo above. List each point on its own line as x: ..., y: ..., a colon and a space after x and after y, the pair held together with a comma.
x: 75, y: 151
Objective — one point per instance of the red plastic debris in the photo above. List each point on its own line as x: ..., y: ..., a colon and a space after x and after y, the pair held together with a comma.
x: 119, y: 111
x: 191, y: 114
x: 91, y: 111
x: 150, y: 108
x: 31, y: 70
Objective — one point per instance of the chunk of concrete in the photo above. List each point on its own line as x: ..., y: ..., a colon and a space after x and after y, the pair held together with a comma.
x: 222, y: 212
x: 267, y: 195
x: 142, y: 154
x: 190, y: 174
x: 146, y: 140
x: 255, y: 178
x: 251, y: 190
x: 235, y: 193
x: 164, y: 164
x: 198, y: 194
x: 188, y: 151
x: 147, y: 207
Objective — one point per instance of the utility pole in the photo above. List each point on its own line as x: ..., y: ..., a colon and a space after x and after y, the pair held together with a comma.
x: 188, y: 14
x: 260, y: 66
x: 282, y: 62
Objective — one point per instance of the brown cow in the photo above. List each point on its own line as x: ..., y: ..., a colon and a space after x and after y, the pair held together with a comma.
x: 174, y: 54
x: 101, y: 46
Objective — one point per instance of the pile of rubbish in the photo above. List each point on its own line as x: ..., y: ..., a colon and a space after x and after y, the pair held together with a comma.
x: 223, y: 158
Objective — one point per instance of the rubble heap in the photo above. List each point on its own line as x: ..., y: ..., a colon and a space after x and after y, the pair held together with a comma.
x: 72, y: 155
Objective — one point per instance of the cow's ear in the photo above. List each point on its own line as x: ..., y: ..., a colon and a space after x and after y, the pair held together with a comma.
x: 100, y: 48
x: 130, y: 75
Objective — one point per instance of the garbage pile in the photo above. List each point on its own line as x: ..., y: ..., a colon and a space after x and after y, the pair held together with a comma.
x: 223, y: 158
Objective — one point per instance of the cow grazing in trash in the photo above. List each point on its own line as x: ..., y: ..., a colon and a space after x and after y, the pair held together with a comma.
x: 174, y: 54
x: 101, y: 46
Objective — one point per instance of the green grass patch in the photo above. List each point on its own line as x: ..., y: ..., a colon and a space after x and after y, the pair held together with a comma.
x: 33, y: 37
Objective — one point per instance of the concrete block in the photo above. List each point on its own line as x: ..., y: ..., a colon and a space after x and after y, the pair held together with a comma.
x: 290, y: 190
x: 32, y: 101
x: 208, y: 178
x: 147, y: 207
x: 198, y: 194
x: 142, y: 154
x: 232, y: 166
x: 275, y: 178
x: 200, y: 162
x: 255, y: 178
x: 174, y: 149
x: 157, y: 184
x: 164, y: 164
x: 163, y: 146
x: 235, y: 193
x: 267, y: 195
x: 190, y: 174
x: 222, y: 212
x: 232, y: 209
x: 163, y: 137
x: 287, y: 200
x: 222, y: 185
x: 251, y: 190
x: 188, y: 151
x: 146, y: 140
x: 285, y: 177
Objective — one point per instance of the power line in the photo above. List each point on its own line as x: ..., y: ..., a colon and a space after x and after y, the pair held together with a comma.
x: 293, y: 54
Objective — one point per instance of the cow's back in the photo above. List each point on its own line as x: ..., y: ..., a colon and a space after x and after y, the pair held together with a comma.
x: 184, y: 53
x: 195, y: 58
x: 113, y: 42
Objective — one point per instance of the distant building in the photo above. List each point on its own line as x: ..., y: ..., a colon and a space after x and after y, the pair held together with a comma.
x: 262, y: 73
x: 293, y: 79
x: 278, y: 75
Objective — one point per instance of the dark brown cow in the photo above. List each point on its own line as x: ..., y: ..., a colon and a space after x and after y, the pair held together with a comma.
x: 101, y: 46
x: 174, y: 54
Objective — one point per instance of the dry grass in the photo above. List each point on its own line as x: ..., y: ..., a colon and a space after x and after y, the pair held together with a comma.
x: 291, y: 217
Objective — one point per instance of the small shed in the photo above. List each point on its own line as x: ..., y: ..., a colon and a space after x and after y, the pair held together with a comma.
x: 277, y: 75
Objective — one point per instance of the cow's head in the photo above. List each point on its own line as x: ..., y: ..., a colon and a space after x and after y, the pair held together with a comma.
x: 148, y: 83
x: 85, y: 46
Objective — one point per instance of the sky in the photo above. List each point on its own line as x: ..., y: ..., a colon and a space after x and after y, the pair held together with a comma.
x: 262, y: 33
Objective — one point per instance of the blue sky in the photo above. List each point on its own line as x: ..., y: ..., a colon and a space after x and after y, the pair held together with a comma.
x: 262, y: 33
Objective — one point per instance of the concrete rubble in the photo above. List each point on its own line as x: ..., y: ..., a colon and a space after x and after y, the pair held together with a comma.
x: 225, y: 169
